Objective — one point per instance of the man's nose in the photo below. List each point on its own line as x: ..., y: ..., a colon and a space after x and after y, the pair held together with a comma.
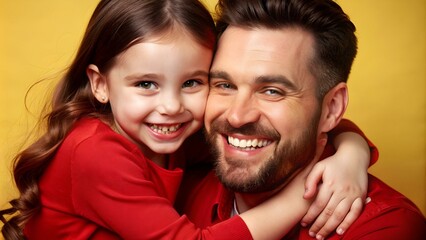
x: 243, y: 110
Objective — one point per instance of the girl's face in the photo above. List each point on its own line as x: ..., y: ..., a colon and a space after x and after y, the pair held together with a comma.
x: 157, y: 90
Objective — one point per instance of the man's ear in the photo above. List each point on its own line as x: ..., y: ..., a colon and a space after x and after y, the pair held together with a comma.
x: 333, y: 107
x: 98, y: 83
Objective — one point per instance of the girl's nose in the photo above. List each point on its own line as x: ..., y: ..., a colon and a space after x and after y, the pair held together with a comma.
x: 170, y: 105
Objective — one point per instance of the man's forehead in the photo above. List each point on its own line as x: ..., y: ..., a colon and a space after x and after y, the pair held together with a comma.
x: 283, y: 51
x: 282, y: 41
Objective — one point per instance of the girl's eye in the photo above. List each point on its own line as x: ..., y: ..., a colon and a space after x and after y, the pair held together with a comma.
x: 146, y: 85
x: 190, y: 84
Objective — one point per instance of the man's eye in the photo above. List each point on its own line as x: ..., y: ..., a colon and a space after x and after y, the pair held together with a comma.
x: 273, y: 92
x: 146, y: 85
x: 190, y: 84
x: 223, y: 85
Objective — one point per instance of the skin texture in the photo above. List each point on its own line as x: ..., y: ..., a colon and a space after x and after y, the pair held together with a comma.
x: 157, y: 90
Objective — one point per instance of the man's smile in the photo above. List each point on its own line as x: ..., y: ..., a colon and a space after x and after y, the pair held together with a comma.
x: 248, y: 144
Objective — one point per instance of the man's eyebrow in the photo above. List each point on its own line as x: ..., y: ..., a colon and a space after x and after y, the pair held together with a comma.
x: 276, y: 79
x: 219, y: 74
x: 263, y: 79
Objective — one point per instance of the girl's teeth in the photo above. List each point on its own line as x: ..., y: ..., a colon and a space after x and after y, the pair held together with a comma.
x: 165, y: 129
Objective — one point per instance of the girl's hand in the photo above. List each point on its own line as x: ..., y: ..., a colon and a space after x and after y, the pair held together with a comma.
x: 342, y: 193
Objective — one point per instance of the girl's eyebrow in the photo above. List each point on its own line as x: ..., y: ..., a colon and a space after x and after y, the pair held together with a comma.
x: 136, y: 76
x: 199, y: 73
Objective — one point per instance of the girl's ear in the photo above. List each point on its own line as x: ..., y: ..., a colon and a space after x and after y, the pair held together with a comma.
x: 98, y: 83
x: 333, y: 107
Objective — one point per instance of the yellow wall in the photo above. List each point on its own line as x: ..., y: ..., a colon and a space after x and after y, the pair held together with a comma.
x: 37, y: 41
x: 388, y: 89
x: 387, y: 85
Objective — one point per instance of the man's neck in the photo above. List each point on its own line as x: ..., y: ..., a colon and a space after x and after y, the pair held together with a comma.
x: 245, y: 201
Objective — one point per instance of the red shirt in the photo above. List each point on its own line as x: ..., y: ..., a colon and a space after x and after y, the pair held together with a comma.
x: 389, y: 215
x: 100, y: 186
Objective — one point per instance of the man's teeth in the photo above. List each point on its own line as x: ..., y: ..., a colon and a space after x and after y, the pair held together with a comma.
x: 165, y: 129
x: 249, y: 144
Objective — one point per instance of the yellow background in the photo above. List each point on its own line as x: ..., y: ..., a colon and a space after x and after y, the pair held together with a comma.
x: 387, y: 85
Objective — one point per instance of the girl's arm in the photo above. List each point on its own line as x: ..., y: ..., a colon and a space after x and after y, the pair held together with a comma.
x: 114, y: 188
x: 342, y: 192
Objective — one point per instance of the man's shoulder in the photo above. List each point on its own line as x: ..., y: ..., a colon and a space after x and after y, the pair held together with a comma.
x: 388, y: 214
x: 383, y: 197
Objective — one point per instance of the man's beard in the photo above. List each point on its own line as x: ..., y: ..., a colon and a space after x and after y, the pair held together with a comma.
x: 288, y: 158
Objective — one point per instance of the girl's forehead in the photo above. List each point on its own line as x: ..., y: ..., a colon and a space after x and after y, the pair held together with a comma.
x: 170, y: 34
x: 165, y: 55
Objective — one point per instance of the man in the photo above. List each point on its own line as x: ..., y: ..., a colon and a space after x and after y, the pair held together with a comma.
x: 278, y: 82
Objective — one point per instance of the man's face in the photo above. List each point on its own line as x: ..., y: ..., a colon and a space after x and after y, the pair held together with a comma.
x: 262, y: 114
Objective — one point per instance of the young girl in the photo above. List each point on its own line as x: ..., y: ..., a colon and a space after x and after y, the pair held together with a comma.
x: 108, y: 166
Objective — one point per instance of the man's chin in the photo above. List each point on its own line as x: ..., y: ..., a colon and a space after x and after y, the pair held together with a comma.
x: 241, y: 180
x: 251, y: 179
x: 235, y: 178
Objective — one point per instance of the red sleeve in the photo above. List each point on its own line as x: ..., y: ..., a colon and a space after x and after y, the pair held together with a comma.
x: 348, y: 126
x: 113, y: 186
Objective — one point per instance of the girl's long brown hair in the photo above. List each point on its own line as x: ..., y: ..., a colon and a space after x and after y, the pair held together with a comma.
x: 114, y: 26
